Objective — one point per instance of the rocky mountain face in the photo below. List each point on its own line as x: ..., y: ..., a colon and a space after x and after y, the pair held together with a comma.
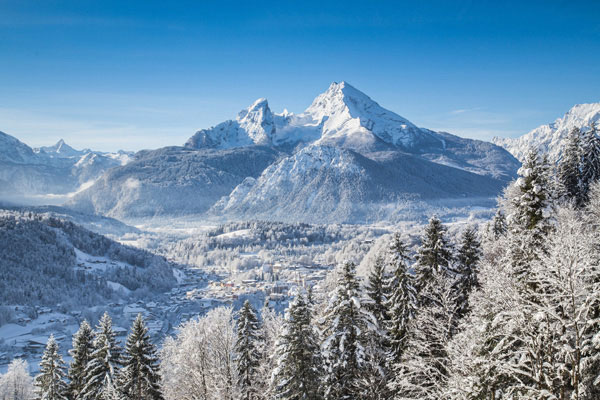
x: 549, y: 138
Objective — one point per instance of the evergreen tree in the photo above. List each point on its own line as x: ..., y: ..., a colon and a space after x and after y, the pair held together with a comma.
x: 139, y: 378
x: 50, y: 382
x: 246, y: 347
x: 81, y: 353
x: 590, y: 164
x: 297, y: 372
x: 533, y: 196
x: 377, y: 373
x: 466, y: 267
x: 433, y: 256
x: 401, y: 304
x: 499, y: 224
x: 423, y: 371
x: 529, y: 220
x: 375, y: 290
x: 348, y: 326
x: 102, y: 369
x: 112, y: 393
x: 569, y: 168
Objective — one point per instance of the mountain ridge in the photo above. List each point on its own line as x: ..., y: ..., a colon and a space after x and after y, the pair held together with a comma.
x: 549, y: 138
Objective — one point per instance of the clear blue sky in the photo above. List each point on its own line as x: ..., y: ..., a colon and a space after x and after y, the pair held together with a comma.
x: 144, y: 74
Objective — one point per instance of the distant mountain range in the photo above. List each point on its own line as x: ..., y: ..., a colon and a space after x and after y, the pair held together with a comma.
x: 341, y: 160
x: 549, y: 138
x: 55, y: 170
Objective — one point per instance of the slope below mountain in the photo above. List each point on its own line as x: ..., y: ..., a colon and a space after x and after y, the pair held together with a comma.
x: 549, y: 138
x: 172, y: 181
x: 329, y: 184
x: 42, y: 264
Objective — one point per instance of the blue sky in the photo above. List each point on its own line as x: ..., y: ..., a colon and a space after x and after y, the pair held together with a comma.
x: 144, y: 74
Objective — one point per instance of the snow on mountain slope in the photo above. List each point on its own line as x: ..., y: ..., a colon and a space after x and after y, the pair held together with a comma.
x: 347, y: 114
x: 329, y: 184
x: 48, y: 253
x: 15, y: 151
x: 549, y: 138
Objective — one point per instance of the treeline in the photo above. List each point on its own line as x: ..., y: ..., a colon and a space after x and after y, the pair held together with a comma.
x: 99, y: 370
x: 271, y: 242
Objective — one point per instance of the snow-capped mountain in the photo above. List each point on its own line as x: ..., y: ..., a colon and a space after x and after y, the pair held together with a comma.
x: 342, y: 116
x: 341, y: 159
x: 58, y: 169
x: 345, y: 117
x: 549, y: 138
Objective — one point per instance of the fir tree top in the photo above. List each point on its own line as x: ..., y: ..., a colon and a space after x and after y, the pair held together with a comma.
x: 50, y: 382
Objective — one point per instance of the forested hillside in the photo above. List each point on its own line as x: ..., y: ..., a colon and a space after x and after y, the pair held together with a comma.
x: 44, y: 263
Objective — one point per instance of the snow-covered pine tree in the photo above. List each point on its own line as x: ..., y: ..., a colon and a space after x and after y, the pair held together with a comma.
x: 591, y: 346
x: 401, y: 298
x: 81, y: 353
x: 271, y: 327
x: 532, y: 199
x: 50, y: 382
x: 590, y: 164
x: 112, y: 393
x: 347, y: 326
x: 529, y: 223
x: 247, y: 351
x: 106, y: 360
x: 568, y: 278
x: 569, y: 168
x: 499, y: 224
x: 486, y: 343
x: 297, y: 372
x: 433, y: 256
x: 375, y: 291
x: 139, y: 378
x: 423, y: 371
x: 466, y: 267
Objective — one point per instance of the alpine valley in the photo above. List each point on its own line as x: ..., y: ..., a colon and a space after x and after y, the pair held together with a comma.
x: 255, y: 208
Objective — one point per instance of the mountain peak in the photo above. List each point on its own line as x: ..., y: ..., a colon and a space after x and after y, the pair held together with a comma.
x: 352, y: 118
x: 257, y: 121
x: 338, y: 98
x: 60, y: 149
